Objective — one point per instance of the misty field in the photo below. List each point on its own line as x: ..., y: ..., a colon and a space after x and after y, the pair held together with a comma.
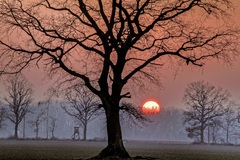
x: 70, y: 150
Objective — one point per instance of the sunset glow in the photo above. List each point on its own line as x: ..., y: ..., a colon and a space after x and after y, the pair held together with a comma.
x: 151, y: 107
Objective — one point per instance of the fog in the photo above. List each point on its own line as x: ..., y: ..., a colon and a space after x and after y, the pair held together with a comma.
x: 164, y: 126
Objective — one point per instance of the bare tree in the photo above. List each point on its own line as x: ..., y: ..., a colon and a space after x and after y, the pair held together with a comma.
x: 226, y: 123
x: 53, y: 125
x: 2, y: 118
x: 215, y: 129
x: 40, y: 117
x: 230, y: 120
x: 106, y: 44
x: 18, y: 99
x: 205, y: 103
x: 81, y: 104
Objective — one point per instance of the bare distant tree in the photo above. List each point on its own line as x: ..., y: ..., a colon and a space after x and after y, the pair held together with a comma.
x: 109, y: 44
x: 230, y: 120
x: 215, y: 130
x: 40, y: 117
x: 2, y: 118
x: 226, y: 123
x: 205, y: 102
x: 81, y: 104
x: 53, y: 125
x: 18, y: 99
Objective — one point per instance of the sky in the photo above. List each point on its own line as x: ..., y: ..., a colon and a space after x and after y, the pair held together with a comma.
x: 173, y: 81
x: 217, y: 73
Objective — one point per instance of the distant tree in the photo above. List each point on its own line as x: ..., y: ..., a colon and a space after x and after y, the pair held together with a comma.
x: 81, y: 104
x: 18, y: 99
x: 215, y: 130
x: 35, y: 123
x: 205, y: 103
x: 230, y: 120
x: 236, y: 135
x: 53, y: 125
x: 108, y: 45
x: 2, y: 118
x: 172, y: 120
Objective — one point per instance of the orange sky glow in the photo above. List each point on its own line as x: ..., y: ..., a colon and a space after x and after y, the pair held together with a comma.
x: 173, y: 80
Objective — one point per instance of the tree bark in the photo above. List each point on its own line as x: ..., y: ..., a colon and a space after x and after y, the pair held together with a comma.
x: 115, y: 148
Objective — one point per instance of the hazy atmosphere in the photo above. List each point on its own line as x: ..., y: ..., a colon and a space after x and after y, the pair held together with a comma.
x: 77, y: 86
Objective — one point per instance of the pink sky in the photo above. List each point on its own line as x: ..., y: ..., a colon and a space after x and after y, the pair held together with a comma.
x: 214, y: 72
x: 171, y: 94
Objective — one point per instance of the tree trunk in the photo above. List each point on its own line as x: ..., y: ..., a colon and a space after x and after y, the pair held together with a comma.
x: 52, y: 134
x: 37, y: 134
x: 202, y: 134
x: 85, y: 132
x: 16, y: 131
x: 115, y: 148
x: 227, y: 135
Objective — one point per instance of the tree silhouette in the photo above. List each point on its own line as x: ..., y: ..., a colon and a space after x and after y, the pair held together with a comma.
x: 18, y: 99
x: 214, y: 130
x: 2, y: 118
x: 81, y: 104
x: 40, y: 117
x: 205, y: 103
x: 230, y: 120
x: 53, y: 125
x: 106, y: 44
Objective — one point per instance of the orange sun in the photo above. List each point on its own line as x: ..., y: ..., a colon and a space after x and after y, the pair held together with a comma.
x: 151, y: 107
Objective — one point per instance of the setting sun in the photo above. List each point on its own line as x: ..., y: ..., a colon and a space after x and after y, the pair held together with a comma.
x: 151, y: 107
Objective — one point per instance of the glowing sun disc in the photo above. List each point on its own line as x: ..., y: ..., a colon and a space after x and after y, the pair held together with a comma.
x: 151, y: 107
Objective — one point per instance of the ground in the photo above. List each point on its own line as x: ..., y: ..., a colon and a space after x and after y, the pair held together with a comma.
x: 78, y: 150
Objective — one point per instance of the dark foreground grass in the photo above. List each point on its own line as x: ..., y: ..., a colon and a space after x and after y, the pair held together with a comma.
x: 70, y: 150
x: 186, y: 151
x: 47, y: 150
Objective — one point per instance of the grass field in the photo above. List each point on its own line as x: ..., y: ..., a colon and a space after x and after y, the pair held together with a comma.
x: 70, y: 150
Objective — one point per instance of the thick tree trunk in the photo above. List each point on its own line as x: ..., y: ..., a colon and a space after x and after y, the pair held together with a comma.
x: 115, y: 148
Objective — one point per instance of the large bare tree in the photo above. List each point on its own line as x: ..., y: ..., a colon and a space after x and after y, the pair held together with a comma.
x: 18, y: 99
x: 205, y: 103
x: 106, y: 44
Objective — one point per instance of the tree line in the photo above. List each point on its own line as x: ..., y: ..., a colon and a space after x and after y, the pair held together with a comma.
x: 78, y: 103
x: 211, y: 116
